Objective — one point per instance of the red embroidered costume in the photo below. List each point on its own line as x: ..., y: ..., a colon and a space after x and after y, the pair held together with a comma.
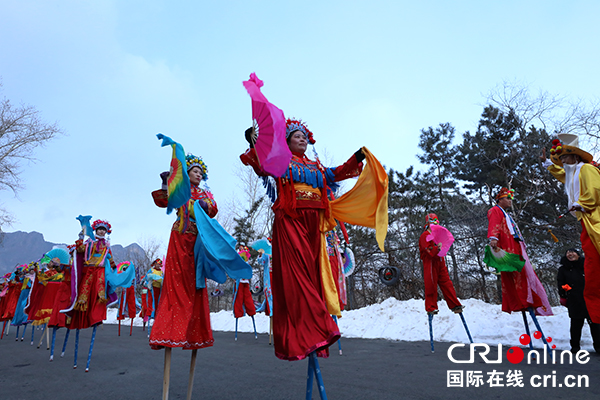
x: 183, y: 316
x: 301, y: 320
x: 520, y: 289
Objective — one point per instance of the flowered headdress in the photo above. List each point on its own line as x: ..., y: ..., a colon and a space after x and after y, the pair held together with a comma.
x: 102, y: 224
x: 292, y: 125
x: 431, y: 219
x: 567, y: 144
x: 244, y: 252
x: 195, y: 161
x: 504, y: 192
x: 157, y: 264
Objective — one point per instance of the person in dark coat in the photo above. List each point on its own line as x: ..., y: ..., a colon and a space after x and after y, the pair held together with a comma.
x: 571, y: 281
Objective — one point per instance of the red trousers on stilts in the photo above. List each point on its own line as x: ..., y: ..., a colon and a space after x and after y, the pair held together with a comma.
x: 591, y: 291
x: 243, y: 299
x: 435, y: 273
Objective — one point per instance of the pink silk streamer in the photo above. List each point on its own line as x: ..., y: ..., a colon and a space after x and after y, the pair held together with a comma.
x: 439, y: 234
x: 269, y: 123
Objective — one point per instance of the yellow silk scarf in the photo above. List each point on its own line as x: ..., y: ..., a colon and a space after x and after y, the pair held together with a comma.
x: 366, y: 204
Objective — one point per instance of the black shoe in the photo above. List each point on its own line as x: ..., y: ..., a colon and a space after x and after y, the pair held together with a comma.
x: 458, y: 309
x: 433, y: 312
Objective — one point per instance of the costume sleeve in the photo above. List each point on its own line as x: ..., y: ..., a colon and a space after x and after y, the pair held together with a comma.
x: 161, y: 198
x: 349, y: 169
x: 427, y: 248
x: 111, y: 260
x: 495, y: 219
x: 589, y: 187
x: 251, y: 158
x: 557, y: 172
x: 560, y: 280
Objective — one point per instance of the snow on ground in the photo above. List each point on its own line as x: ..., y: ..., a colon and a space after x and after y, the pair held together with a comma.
x: 406, y: 320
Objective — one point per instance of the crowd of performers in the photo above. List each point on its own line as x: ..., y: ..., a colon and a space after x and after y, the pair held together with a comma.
x: 303, y: 264
x: 69, y: 287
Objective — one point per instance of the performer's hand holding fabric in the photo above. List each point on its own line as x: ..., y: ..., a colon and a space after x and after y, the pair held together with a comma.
x: 164, y: 176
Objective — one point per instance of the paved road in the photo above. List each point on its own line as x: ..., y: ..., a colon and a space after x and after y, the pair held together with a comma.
x: 124, y: 367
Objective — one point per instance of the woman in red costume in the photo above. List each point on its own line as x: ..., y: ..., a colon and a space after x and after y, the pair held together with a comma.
x: 521, y: 289
x: 183, y: 317
x: 90, y: 308
x: 435, y: 272
x: 302, y: 323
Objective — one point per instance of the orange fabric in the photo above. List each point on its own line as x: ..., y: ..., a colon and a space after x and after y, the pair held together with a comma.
x: 366, y: 204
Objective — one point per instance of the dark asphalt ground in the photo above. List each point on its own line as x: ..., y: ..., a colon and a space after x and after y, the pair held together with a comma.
x: 124, y: 367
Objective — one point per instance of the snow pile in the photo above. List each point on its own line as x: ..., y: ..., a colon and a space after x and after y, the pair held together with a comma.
x: 406, y: 320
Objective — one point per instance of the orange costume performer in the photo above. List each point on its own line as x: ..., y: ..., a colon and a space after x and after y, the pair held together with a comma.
x: 582, y: 183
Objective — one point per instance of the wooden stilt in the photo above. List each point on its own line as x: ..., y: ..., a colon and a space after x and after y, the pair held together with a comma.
x: 340, y: 339
x: 47, y: 338
x: 431, y: 331
x: 42, y: 338
x: 191, y: 379
x: 254, y: 324
x: 527, y: 330
x: 65, y: 343
x: 54, y: 329
x: 236, y: 321
x: 76, y: 348
x: 87, y: 367
x: 309, y: 379
x: 167, y: 373
x: 317, y: 370
x: 466, y: 327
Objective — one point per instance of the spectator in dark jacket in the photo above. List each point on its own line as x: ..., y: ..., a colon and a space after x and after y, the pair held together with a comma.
x: 571, y: 281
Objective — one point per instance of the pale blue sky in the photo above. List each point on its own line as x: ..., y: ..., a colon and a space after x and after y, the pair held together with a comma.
x: 372, y: 73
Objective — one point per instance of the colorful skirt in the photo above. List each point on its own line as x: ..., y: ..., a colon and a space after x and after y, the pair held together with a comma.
x: 301, y: 322
x: 183, y: 316
x: 90, y: 308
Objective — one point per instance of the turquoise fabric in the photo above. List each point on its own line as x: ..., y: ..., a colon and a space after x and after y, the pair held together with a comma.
x: 215, y: 253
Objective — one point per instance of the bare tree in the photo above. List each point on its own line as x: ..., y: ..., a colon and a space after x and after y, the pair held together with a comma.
x: 253, y: 189
x: 554, y: 113
x: 21, y: 131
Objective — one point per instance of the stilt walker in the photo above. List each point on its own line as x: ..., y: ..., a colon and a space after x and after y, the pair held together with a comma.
x: 127, y: 306
x: 506, y: 252
x: 434, y: 243
x: 242, y: 297
x: 264, y: 248
x: 10, y: 298
x: 576, y: 169
x: 62, y: 300
x: 304, y: 291
x: 198, y: 247
x: 99, y: 279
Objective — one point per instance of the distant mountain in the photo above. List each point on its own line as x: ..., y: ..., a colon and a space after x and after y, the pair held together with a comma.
x: 21, y: 248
